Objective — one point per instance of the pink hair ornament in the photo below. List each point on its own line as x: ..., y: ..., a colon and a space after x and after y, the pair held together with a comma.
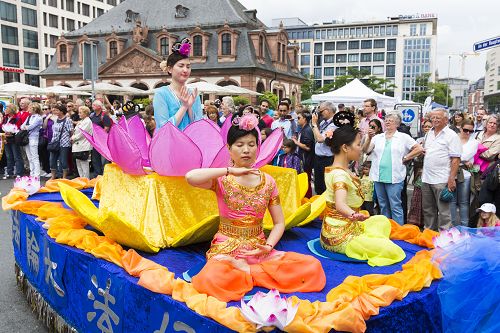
x: 247, y: 122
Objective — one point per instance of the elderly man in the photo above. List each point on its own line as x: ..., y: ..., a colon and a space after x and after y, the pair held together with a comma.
x: 324, y: 155
x: 442, y: 150
x: 101, y: 119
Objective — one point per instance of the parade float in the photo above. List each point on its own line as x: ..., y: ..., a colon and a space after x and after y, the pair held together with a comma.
x: 117, y: 253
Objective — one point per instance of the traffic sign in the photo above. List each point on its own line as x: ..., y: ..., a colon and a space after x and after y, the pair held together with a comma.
x: 486, y: 44
x: 408, y: 116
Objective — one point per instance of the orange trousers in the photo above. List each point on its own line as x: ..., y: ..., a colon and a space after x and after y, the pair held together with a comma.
x: 294, y: 272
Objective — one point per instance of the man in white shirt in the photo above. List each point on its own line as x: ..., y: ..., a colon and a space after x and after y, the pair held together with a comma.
x: 442, y: 150
x: 284, y: 121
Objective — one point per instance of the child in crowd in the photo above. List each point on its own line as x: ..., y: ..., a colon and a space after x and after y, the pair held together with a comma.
x: 264, y: 133
x: 290, y: 158
x: 367, y: 188
x: 487, y: 216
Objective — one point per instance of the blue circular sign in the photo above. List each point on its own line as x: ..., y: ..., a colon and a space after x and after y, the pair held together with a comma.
x: 408, y: 115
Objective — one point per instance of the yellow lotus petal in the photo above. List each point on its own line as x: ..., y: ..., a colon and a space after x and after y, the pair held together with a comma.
x: 125, y: 233
x: 81, y: 204
x: 317, y: 207
x: 293, y: 220
x: 201, y: 232
x: 303, y: 181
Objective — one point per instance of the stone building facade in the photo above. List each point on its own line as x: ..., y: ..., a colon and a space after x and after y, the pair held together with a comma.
x: 229, y: 46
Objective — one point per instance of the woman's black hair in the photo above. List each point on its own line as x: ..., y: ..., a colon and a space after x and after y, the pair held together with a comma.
x: 173, y: 58
x: 378, y: 123
x: 307, y: 115
x: 61, y: 108
x: 235, y: 132
x: 344, y: 135
x: 289, y: 144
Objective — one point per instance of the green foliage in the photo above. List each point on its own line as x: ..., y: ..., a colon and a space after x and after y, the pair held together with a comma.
x: 307, y: 88
x: 272, y: 98
x: 144, y: 101
x: 241, y: 100
x: 437, y: 90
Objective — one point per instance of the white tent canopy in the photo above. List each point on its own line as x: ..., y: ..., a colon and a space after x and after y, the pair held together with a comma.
x: 110, y: 89
x: 17, y: 88
x: 242, y: 91
x: 62, y: 90
x: 355, y: 92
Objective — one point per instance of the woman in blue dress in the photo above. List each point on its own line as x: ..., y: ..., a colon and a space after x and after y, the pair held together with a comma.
x: 176, y: 103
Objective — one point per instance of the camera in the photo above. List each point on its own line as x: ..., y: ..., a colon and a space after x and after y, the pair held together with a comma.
x: 217, y: 103
x: 288, y: 117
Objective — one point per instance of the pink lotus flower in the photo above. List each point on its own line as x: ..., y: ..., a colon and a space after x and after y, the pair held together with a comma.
x: 248, y: 122
x: 269, y: 310
x: 10, y: 128
x: 449, y: 237
x: 30, y: 184
x: 172, y: 152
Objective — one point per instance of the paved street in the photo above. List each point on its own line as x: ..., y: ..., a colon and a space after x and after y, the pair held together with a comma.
x: 15, y: 314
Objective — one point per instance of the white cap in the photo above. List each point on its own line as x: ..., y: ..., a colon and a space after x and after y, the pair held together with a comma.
x: 488, y: 208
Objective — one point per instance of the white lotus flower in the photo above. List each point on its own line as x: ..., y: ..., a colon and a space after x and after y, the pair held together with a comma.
x: 449, y: 237
x: 10, y: 128
x: 29, y: 184
x: 269, y: 310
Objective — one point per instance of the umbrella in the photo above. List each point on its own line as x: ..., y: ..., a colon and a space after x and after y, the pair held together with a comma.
x: 209, y: 88
x: 242, y: 91
x: 110, y: 89
x: 18, y: 88
x: 62, y: 90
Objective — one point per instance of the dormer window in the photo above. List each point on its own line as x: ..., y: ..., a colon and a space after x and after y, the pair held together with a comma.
x: 199, y: 41
x: 113, y: 49
x: 164, y: 45
x: 261, y: 46
x: 164, y: 40
x: 197, y: 46
x: 63, y: 53
x: 226, y: 44
x: 115, y: 45
x: 227, y: 41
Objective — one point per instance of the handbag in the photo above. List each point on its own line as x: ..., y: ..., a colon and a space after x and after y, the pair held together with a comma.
x: 22, y: 138
x: 55, y: 146
x: 81, y: 155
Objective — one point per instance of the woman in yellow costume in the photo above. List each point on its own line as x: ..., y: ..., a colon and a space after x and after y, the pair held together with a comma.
x: 240, y: 256
x: 345, y: 229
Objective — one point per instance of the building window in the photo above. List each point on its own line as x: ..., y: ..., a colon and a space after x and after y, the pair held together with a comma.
x: 63, y: 53
x: 317, y: 73
x: 164, y: 46
x: 33, y: 80
x: 306, y: 71
x: 197, y: 46
x: 31, y: 60
x: 70, y: 24
x: 226, y: 44
x: 366, y: 70
x: 354, y: 45
x: 29, y: 17
x: 10, y: 57
x: 261, y: 46
x: 391, y: 58
x: 30, y: 2
x: 391, y: 45
x: 329, y: 46
x: 366, y: 57
x: 341, y: 71
x: 329, y: 59
x: 9, y: 35
x: 112, y: 2
x: 378, y: 56
x: 329, y: 71
x: 53, y: 41
x: 378, y: 70
x: 305, y: 47
x: 394, y: 30
x: 305, y: 59
x: 379, y: 43
x: 353, y: 57
x: 423, y: 29
x: 341, y: 45
x: 413, y: 29
x: 113, y: 49
x: 53, y: 21
x: 283, y: 53
x: 100, y: 11
x: 11, y: 77
x: 30, y: 38
x: 341, y: 58
x: 70, y: 5
x: 318, y: 48
x: 85, y: 10
x: 390, y: 71
x: 53, y: 3
x: 317, y: 60
x: 366, y: 44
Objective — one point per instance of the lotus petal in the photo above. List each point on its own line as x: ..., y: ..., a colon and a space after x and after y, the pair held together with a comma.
x: 138, y: 133
x: 123, y: 123
x: 207, y: 138
x: 222, y: 158
x: 172, y: 153
x: 269, y: 148
x: 30, y: 184
x: 124, y: 151
x: 99, y: 140
x: 225, y: 128
x: 450, y: 237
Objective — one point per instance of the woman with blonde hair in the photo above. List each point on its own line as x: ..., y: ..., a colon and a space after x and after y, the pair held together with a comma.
x: 81, y: 147
x: 487, y: 216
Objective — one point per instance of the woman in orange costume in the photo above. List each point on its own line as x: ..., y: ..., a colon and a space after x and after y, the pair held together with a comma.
x: 240, y: 257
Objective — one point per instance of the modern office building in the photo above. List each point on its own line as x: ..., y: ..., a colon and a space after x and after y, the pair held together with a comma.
x: 30, y: 29
x: 399, y: 49
x: 458, y: 91
x: 492, y: 80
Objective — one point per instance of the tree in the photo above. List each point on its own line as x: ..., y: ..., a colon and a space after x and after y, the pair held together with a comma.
x: 241, y: 100
x: 438, y: 90
x: 307, y: 88
x: 272, y: 98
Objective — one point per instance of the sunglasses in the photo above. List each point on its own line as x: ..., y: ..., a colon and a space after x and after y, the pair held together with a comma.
x: 465, y: 130
x: 373, y: 127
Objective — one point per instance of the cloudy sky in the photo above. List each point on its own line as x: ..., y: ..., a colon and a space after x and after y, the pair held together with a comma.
x: 461, y: 23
